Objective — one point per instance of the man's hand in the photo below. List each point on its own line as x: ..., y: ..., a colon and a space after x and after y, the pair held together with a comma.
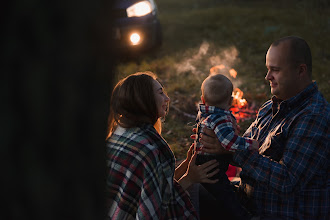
x: 255, y: 145
x: 211, y: 144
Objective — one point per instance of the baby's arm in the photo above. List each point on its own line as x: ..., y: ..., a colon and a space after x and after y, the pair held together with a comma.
x: 225, y: 130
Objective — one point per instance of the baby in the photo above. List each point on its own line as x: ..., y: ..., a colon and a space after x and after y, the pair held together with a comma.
x: 214, y: 114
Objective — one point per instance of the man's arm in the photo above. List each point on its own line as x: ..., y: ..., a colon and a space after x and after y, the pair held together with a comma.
x: 306, y: 151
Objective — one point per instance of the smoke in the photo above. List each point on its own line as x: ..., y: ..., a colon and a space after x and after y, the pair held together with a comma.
x: 210, y: 60
x: 190, y: 64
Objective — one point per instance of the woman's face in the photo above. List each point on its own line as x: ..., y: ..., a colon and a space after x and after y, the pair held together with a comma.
x: 161, y: 98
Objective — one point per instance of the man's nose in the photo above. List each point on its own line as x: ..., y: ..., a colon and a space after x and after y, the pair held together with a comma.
x: 268, y: 76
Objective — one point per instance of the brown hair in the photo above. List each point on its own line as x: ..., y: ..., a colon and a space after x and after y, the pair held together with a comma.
x: 133, y: 102
x: 217, y: 89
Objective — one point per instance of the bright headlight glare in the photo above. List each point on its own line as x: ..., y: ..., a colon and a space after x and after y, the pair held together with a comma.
x: 135, y: 38
x: 139, y: 9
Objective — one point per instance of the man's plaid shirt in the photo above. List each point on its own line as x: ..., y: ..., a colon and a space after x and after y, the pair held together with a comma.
x: 289, y: 177
x: 140, y: 182
x: 223, y: 123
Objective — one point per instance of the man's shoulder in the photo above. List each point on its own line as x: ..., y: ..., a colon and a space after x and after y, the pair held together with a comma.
x: 315, y: 107
x: 317, y: 104
x: 311, y: 102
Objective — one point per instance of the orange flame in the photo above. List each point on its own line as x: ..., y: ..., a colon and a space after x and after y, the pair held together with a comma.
x: 216, y: 69
x: 238, y: 98
x: 233, y: 73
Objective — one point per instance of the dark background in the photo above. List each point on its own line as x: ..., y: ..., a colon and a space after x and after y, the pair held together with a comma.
x: 56, y: 70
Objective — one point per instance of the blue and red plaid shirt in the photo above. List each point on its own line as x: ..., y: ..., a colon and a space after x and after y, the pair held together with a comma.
x: 289, y: 177
x: 224, y: 125
x: 140, y: 183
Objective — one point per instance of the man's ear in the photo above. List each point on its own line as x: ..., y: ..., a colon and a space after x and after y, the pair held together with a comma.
x: 303, y: 70
x: 203, y: 100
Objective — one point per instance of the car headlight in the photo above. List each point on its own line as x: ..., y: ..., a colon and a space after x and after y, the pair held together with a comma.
x: 140, y: 9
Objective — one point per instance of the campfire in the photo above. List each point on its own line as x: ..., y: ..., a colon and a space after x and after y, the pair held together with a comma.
x: 240, y: 107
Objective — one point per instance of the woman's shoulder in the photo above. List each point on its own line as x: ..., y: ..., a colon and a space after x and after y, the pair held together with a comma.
x: 132, y: 148
x: 134, y: 135
x: 142, y: 140
x: 144, y: 136
x: 141, y: 150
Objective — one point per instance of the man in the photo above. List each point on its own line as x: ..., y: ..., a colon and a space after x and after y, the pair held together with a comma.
x: 289, y: 177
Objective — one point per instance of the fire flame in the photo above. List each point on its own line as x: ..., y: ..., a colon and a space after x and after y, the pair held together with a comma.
x: 233, y: 73
x: 238, y: 98
x: 240, y: 108
x: 216, y: 69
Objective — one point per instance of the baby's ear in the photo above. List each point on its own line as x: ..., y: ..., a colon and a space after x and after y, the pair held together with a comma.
x: 203, y: 100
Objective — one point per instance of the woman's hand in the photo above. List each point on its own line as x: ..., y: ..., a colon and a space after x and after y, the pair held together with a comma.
x: 202, y: 173
x: 183, y: 166
x: 198, y: 173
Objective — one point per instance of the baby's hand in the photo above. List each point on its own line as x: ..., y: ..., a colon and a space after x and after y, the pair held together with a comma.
x: 254, y: 146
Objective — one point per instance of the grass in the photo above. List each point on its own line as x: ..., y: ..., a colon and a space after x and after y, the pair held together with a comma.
x: 200, y: 34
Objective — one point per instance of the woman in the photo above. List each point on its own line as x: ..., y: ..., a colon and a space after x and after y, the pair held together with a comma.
x: 141, y: 166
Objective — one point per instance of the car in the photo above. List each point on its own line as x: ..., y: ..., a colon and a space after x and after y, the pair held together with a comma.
x: 136, y: 25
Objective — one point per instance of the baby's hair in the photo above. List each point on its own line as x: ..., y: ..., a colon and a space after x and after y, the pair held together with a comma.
x: 217, y: 89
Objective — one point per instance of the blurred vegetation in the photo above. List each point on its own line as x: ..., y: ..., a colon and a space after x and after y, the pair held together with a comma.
x: 200, y: 34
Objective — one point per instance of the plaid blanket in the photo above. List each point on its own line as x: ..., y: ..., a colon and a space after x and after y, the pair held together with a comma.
x: 140, y: 182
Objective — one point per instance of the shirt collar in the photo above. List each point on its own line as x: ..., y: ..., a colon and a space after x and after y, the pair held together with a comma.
x: 206, y: 109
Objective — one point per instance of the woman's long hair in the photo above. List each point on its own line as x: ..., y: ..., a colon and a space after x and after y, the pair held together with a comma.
x: 133, y: 102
